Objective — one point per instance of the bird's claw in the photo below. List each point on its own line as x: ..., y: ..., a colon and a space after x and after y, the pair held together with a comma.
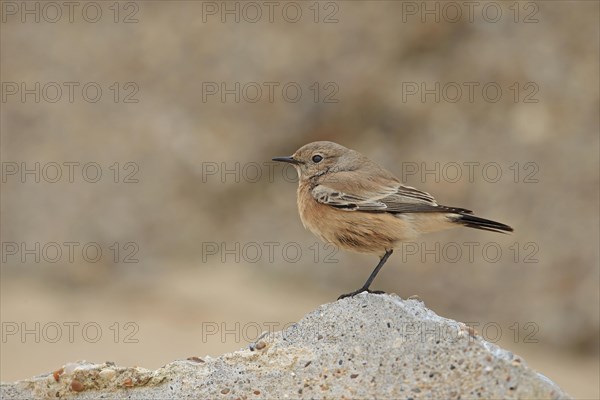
x: 361, y: 290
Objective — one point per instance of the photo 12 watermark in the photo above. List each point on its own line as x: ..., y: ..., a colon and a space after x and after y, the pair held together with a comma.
x: 69, y: 332
x: 246, y: 172
x: 471, y: 171
x: 253, y: 12
x: 69, y: 172
x: 69, y: 252
x: 469, y: 92
x: 468, y: 252
x: 69, y: 92
x: 525, y: 12
x: 270, y: 92
x: 52, y: 12
x: 268, y: 252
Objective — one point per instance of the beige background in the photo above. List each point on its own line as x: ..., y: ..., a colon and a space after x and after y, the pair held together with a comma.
x: 177, y: 293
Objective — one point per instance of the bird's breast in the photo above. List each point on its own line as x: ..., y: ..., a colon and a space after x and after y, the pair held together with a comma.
x: 362, y: 232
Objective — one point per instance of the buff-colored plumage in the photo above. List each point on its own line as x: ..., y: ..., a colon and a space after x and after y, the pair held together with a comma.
x: 348, y: 200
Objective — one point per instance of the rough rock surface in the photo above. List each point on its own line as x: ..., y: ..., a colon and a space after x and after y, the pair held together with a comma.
x: 363, y: 347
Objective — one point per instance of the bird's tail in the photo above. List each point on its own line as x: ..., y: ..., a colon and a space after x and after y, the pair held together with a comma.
x: 480, y: 223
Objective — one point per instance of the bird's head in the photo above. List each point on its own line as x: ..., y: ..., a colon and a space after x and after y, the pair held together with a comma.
x: 317, y: 158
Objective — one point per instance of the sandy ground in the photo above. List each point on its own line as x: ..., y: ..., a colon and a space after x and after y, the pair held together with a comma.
x: 190, y: 314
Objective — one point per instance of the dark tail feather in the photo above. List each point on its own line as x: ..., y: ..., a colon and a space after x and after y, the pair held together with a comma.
x: 480, y: 223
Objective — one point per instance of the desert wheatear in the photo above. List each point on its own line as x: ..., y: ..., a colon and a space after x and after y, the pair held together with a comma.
x: 348, y: 200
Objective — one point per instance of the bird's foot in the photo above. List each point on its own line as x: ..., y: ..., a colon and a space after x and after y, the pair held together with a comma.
x: 352, y: 294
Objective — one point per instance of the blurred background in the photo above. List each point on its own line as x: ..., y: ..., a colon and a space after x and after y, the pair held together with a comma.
x: 142, y: 220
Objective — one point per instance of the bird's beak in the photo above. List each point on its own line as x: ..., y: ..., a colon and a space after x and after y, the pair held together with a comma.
x: 289, y: 159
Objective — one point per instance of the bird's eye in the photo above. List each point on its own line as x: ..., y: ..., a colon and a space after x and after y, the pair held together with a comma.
x: 317, y: 158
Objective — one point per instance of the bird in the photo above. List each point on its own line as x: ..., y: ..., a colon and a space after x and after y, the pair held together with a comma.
x: 348, y: 200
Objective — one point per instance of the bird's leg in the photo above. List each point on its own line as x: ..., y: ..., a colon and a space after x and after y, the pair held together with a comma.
x: 365, y: 287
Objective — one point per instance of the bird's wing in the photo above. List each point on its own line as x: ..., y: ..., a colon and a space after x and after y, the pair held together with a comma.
x: 348, y: 191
